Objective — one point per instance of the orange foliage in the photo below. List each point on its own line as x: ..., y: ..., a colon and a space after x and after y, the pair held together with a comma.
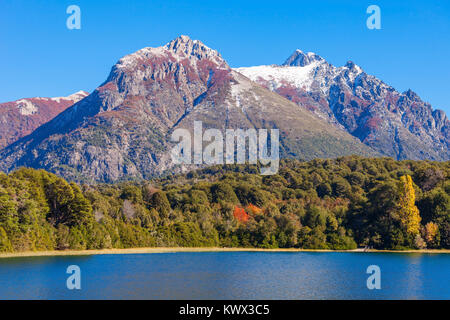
x: 240, y: 214
x: 252, y: 209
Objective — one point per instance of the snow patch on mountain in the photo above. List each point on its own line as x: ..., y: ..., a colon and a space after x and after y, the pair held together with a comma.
x: 26, y: 107
x: 300, y: 77
x: 239, y: 88
x: 77, y: 96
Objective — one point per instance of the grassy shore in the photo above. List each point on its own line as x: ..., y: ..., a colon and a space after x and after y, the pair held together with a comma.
x: 181, y: 249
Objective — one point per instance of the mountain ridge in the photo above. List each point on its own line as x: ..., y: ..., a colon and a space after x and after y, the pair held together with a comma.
x: 395, y: 124
x: 21, y: 117
x: 122, y: 129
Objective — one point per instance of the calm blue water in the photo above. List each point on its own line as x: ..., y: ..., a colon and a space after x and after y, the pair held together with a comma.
x: 228, y: 275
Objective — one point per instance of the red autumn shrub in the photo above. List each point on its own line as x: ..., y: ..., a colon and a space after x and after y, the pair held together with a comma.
x: 240, y: 214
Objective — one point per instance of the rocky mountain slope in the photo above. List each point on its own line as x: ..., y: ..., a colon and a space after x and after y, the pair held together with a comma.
x: 395, y: 124
x: 123, y: 128
x: 20, y: 118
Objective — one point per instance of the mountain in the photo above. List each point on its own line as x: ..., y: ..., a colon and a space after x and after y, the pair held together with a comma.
x: 123, y: 128
x: 399, y: 125
x: 21, y: 117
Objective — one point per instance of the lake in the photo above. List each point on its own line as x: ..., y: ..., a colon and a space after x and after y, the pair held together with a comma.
x: 229, y: 275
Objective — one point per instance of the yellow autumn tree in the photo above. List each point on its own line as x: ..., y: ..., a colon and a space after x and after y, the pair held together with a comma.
x: 407, y: 210
x: 431, y: 230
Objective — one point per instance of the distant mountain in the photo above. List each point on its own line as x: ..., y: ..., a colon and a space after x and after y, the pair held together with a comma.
x: 122, y: 129
x: 398, y: 125
x: 21, y: 117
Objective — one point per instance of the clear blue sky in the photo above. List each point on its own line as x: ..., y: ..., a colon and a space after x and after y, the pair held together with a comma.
x: 39, y: 56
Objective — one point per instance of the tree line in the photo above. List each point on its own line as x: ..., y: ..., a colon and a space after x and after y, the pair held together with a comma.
x: 341, y: 203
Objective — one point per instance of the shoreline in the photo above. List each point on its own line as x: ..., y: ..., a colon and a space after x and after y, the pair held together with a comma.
x: 53, y: 253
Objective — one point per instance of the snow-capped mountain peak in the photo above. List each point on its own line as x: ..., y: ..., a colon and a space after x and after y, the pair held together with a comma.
x: 301, y: 71
x: 275, y: 76
x: 353, y: 67
x: 364, y: 105
x: 177, y: 50
x: 301, y: 59
x: 184, y: 46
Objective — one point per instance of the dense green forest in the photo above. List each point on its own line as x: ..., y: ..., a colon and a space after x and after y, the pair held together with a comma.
x: 344, y: 203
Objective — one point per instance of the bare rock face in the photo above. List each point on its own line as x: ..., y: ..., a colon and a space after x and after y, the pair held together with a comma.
x: 395, y: 124
x: 122, y: 130
x: 21, y: 117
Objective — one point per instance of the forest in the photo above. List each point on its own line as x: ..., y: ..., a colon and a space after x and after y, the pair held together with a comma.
x: 336, y: 204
